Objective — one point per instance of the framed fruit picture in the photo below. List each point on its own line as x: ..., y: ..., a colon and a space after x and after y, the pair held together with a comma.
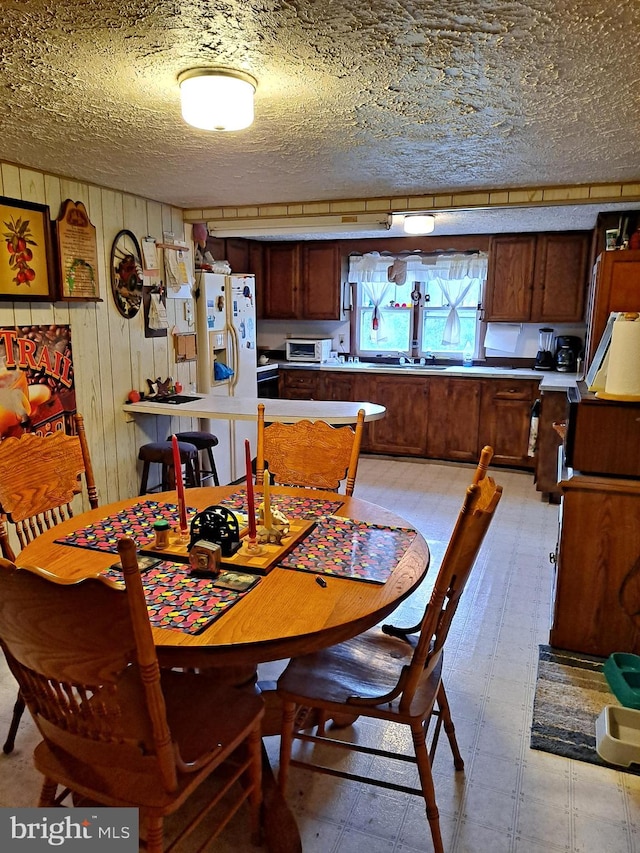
x: 27, y: 271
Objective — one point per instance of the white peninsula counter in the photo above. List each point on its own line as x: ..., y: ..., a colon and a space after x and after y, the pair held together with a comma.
x: 214, y: 407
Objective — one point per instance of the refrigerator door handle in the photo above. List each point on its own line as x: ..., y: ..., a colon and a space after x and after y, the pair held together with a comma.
x: 235, y: 353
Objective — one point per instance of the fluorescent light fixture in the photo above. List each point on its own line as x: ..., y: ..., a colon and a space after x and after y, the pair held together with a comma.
x: 419, y: 223
x: 217, y: 98
x: 267, y: 227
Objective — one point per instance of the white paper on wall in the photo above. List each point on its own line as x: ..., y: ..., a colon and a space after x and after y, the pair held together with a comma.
x: 502, y: 336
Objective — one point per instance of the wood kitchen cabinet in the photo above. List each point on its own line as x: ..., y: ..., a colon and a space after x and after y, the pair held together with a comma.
x: 300, y: 385
x: 321, y: 286
x: 505, y: 419
x: 237, y: 253
x: 279, y: 296
x: 537, y: 278
x: 553, y: 409
x: 560, y: 277
x: 597, y: 583
x: 403, y: 430
x: 339, y: 385
x: 430, y: 417
x: 510, y: 278
x: 452, y: 432
x: 301, y: 281
x: 615, y: 286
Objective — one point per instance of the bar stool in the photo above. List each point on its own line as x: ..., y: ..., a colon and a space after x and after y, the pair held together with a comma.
x: 161, y: 452
x: 203, y: 441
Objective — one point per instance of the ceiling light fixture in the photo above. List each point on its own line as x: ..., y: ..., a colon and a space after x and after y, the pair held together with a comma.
x: 217, y: 98
x: 421, y: 223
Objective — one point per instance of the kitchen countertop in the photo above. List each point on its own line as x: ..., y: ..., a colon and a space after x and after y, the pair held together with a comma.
x: 214, y: 407
x: 550, y: 380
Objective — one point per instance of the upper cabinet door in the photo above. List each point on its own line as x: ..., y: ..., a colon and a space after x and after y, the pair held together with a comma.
x: 510, y: 278
x: 560, y: 279
x: 281, y: 282
x: 320, y: 281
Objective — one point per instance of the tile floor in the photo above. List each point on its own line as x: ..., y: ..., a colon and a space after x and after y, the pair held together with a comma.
x: 510, y: 799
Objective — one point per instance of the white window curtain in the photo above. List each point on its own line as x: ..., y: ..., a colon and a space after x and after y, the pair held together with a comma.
x: 454, y: 275
x: 371, y: 272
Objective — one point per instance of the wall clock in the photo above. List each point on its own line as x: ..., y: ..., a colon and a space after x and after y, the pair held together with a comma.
x: 126, y: 274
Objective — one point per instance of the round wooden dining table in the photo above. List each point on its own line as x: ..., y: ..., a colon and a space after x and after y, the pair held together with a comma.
x: 286, y: 614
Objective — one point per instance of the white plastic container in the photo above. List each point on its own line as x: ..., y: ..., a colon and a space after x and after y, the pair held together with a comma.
x: 618, y: 735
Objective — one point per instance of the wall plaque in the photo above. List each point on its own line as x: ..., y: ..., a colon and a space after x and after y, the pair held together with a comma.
x: 77, y: 253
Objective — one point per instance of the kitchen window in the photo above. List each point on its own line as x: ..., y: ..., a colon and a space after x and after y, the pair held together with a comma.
x: 419, y: 305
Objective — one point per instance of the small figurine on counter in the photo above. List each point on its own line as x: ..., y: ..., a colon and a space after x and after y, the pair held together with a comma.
x: 153, y: 391
x: 274, y: 532
x: 164, y: 388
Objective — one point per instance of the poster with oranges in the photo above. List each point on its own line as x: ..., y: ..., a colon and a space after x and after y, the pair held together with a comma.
x: 37, y: 391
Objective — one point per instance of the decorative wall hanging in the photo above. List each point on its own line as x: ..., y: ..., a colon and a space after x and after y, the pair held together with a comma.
x: 77, y: 253
x: 37, y: 389
x: 154, y: 301
x: 126, y: 274
x: 27, y: 271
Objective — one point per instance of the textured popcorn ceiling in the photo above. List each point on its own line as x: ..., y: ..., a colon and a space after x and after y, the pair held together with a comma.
x: 354, y: 100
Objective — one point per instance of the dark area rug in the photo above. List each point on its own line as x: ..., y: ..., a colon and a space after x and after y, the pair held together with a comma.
x: 571, y: 691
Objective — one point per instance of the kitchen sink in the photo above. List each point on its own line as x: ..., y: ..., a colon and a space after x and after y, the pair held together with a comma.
x: 425, y: 366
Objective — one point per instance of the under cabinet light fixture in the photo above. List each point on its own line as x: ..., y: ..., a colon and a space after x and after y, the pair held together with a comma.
x: 217, y: 98
x: 292, y: 225
x: 419, y: 223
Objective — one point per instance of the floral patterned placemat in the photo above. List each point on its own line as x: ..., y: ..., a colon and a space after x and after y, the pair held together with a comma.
x: 177, y: 600
x: 293, y: 506
x: 350, y: 549
x: 136, y: 521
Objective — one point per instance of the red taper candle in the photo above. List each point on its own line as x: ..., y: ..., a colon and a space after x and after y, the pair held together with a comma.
x: 177, y: 467
x: 251, y: 507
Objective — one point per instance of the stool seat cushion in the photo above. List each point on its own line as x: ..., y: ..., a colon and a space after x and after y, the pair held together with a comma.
x: 202, y: 440
x: 162, y: 451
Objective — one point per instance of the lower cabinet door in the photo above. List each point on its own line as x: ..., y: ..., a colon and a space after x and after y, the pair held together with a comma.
x: 403, y: 429
x: 505, y: 420
x: 454, y: 416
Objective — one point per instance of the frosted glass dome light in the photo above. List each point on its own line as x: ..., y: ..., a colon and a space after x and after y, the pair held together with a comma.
x: 419, y: 223
x: 217, y: 98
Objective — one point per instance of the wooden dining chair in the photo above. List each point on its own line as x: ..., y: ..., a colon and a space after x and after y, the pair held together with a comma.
x: 486, y: 455
x: 39, y: 477
x: 388, y: 678
x: 116, y: 730
x: 312, y: 454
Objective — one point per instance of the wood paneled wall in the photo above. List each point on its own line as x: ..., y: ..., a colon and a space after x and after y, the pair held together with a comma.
x: 105, y: 345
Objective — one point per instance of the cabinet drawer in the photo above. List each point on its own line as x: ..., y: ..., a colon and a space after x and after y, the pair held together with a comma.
x: 301, y: 379
x: 509, y: 389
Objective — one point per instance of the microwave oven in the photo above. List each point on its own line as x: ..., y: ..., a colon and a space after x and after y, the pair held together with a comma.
x: 308, y: 349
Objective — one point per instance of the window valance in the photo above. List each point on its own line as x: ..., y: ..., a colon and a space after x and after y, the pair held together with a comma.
x: 383, y: 267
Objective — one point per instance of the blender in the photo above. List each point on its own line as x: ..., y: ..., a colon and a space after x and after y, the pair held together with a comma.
x: 544, y: 356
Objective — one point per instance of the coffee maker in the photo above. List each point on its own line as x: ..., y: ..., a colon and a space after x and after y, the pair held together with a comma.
x: 544, y: 357
x: 568, y: 348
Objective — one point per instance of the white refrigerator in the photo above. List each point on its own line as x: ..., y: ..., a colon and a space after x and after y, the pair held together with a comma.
x: 226, y: 335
